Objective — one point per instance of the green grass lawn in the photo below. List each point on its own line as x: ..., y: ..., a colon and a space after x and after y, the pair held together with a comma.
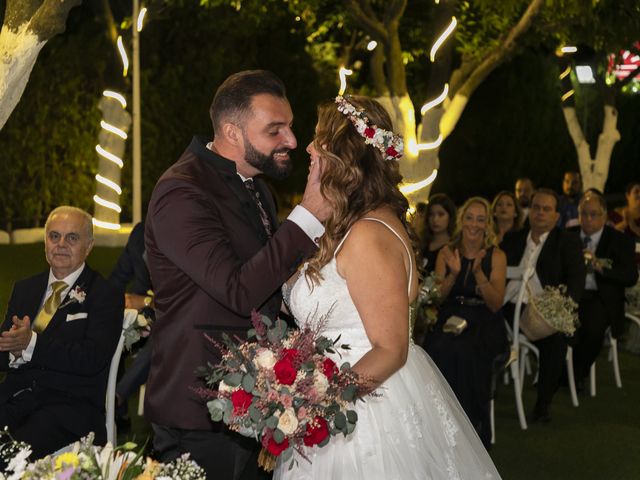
x: 598, y: 440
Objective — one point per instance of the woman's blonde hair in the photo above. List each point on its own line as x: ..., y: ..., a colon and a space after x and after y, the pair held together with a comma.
x: 355, y: 177
x: 490, y: 239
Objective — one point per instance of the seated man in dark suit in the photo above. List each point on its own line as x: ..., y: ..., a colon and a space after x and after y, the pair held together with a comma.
x: 609, y: 256
x: 557, y: 257
x: 61, y: 329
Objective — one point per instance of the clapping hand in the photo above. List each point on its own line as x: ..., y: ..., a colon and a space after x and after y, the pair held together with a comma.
x: 17, y: 338
x: 477, y: 262
x: 452, y: 260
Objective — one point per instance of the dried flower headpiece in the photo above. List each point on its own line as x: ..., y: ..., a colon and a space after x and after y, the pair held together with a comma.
x: 390, y: 144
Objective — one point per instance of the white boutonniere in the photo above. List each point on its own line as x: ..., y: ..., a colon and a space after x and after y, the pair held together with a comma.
x: 77, y: 295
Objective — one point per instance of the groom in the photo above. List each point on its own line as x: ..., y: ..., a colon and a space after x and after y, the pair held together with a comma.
x: 215, y: 252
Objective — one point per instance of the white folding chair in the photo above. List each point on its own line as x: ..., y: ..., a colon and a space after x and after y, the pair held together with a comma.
x: 515, y: 274
x: 130, y: 316
x: 613, y: 358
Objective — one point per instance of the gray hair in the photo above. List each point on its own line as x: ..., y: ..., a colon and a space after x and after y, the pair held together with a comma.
x: 591, y: 195
x: 88, y: 222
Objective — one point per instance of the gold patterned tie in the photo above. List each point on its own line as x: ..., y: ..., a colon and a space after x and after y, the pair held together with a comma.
x: 50, y: 306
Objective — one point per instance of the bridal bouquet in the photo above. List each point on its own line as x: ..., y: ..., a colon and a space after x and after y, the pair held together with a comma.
x: 280, y: 388
x: 134, y: 330
x: 85, y: 461
x: 550, y: 311
x: 429, y: 297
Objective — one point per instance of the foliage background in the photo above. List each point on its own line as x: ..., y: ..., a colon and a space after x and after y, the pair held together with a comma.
x: 512, y: 126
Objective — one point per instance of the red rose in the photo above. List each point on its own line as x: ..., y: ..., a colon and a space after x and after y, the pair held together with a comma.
x: 289, y: 354
x: 369, y: 132
x: 241, y: 401
x: 391, y: 152
x: 329, y: 368
x: 317, y: 433
x: 276, y: 449
x: 285, y: 373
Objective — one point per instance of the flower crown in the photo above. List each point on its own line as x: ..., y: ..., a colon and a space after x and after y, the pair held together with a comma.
x: 390, y: 144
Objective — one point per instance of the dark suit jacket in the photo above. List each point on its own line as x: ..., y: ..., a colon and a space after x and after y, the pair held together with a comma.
x: 560, y: 261
x: 131, y: 266
x: 71, y: 359
x: 620, y: 249
x: 210, y: 265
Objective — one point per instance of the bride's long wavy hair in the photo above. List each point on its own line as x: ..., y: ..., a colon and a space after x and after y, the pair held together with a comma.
x: 355, y: 177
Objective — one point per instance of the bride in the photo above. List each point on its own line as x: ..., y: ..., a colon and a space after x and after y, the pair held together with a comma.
x: 365, y: 275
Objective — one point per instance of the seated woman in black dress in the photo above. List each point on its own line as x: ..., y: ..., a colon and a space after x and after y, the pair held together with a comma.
x: 440, y: 219
x: 473, y: 269
x: 507, y: 214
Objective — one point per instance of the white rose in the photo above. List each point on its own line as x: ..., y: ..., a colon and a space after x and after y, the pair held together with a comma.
x: 288, y: 422
x: 223, y: 387
x: 265, y: 358
x: 320, y: 382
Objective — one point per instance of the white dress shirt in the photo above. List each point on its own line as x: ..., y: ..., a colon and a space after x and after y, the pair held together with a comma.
x: 27, y: 353
x: 527, y: 267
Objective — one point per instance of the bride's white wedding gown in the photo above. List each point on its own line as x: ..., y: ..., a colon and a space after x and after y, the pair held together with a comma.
x: 415, y: 428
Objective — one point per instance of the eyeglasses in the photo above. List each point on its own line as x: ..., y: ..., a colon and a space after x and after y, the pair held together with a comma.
x: 70, y: 238
x: 591, y: 215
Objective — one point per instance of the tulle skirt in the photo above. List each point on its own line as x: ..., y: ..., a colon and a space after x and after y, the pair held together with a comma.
x: 415, y: 429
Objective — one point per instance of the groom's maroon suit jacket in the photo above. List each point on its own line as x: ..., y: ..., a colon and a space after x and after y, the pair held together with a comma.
x: 211, y: 264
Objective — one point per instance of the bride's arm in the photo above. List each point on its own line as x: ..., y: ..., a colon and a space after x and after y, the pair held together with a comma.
x: 372, y: 262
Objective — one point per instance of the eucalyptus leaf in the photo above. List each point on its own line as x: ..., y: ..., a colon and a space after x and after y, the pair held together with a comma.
x: 216, y: 409
x: 278, y: 436
x: 286, y: 455
x: 340, y: 421
x: 272, y: 422
x: 352, y: 416
x: 255, y: 414
x: 350, y: 428
x: 345, y: 366
x: 349, y: 393
x: 266, y: 320
x: 233, y: 379
x: 248, y: 382
x: 251, y: 332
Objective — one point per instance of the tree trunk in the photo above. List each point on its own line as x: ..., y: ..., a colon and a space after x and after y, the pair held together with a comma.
x: 18, y: 53
x: 28, y: 25
x: 594, y: 171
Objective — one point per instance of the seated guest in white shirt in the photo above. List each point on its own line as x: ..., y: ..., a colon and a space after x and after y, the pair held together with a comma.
x: 609, y: 257
x: 60, y: 331
x: 555, y: 256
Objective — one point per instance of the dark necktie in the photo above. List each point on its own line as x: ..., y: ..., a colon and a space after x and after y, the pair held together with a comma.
x: 263, y: 213
x: 586, y: 242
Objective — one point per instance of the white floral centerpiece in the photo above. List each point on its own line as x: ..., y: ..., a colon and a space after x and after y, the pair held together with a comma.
x: 85, y: 461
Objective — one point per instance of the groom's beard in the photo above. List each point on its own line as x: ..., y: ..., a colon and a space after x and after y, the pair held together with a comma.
x: 267, y: 163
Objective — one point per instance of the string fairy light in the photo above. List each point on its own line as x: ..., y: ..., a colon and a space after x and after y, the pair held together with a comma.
x: 123, y: 56
x: 436, y: 101
x: 343, y: 73
x: 441, y: 39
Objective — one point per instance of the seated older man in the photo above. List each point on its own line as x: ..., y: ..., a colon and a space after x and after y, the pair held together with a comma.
x: 60, y: 332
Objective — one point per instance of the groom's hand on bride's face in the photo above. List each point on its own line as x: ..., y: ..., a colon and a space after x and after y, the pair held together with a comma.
x: 312, y: 199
